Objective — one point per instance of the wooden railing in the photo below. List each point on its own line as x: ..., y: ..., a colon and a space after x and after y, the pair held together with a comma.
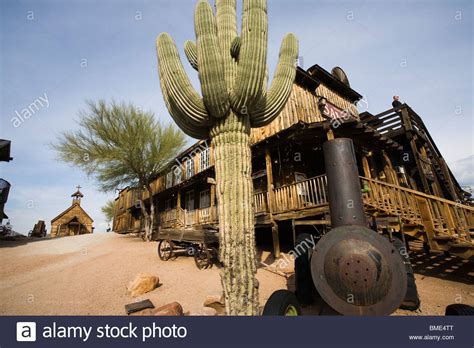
x: 260, y: 202
x: 439, y: 216
x: 184, y: 217
x: 207, y: 215
x: 169, y: 215
x: 301, y: 195
x: 172, y: 216
x: 190, y: 217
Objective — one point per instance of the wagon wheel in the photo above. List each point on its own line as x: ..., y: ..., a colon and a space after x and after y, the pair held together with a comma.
x: 165, y: 250
x: 202, y: 258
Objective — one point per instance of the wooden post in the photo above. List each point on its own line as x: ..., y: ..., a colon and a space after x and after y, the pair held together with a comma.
x: 449, y: 219
x: 428, y: 223
x: 414, y: 149
x: 406, y: 120
x: 391, y: 174
x: 271, y: 201
x: 365, y: 165
x: 293, y: 228
x: 447, y: 175
x: 435, y: 186
x: 330, y: 134
x: 213, y: 198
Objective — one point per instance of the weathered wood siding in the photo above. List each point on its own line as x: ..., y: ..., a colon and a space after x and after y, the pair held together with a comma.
x: 75, y: 212
x: 302, y: 106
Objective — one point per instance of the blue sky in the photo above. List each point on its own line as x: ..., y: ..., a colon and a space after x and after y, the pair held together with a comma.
x: 70, y: 51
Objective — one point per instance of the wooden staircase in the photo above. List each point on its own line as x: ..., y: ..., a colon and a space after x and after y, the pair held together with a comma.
x: 443, y: 224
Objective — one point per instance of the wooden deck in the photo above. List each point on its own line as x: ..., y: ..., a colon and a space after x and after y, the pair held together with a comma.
x: 443, y: 224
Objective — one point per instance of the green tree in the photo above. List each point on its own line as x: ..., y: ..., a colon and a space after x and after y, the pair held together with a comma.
x: 121, y: 145
x: 108, y: 210
x: 232, y: 70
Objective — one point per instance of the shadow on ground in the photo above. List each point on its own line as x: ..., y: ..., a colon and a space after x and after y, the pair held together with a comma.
x: 443, y: 266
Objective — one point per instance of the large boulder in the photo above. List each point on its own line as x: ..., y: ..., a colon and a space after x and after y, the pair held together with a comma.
x: 142, y: 284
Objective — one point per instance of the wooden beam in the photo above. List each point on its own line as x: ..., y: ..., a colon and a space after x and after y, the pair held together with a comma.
x: 447, y: 175
x: 276, y: 240
x: 269, y: 169
x: 366, y: 167
x: 311, y: 222
x: 424, y: 181
x: 391, y: 173
x: 301, y: 213
x: 293, y: 229
x: 436, y: 187
x: 406, y: 120
x: 178, y: 199
x: 427, y: 220
x: 213, y: 198
x: 271, y: 202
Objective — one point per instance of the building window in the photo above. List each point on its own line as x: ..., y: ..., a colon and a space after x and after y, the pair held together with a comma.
x: 178, y: 175
x: 204, y: 161
x: 169, y: 179
x: 189, y: 168
x: 189, y: 201
x: 204, y: 199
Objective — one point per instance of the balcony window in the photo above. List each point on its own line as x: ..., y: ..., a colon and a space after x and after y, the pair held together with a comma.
x: 204, y: 161
x: 169, y: 179
x: 178, y: 175
x: 189, y: 168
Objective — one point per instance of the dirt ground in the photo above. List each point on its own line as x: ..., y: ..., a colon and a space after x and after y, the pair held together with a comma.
x: 88, y: 274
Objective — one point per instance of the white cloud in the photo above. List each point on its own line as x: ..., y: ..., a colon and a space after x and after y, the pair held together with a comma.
x: 463, y: 170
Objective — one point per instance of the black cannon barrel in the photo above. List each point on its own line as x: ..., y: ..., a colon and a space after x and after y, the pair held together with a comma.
x: 345, y: 196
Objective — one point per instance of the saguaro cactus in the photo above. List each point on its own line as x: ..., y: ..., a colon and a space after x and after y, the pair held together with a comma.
x: 233, y: 75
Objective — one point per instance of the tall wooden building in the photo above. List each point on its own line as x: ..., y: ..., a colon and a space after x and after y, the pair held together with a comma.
x: 74, y: 220
x: 406, y: 182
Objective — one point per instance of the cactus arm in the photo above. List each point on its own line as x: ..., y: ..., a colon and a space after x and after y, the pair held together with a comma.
x: 235, y: 48
x: 281, y: 86
x: 188, y: 126
x: 248, y: 90
x: 179, y: 88
x: 211, y: 70
x: 226, y: 17
x: 191, y: 53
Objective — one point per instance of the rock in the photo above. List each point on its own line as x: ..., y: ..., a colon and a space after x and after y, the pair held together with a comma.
x: 203, y: 311
x: 170, y: 309
x: 214, y: 300
x: 142, y: 284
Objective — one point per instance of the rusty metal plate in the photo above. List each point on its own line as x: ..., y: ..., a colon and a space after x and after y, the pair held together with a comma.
x: 358, y: 272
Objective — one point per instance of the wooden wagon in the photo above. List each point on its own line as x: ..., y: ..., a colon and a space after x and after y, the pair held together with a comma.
x: 202, y: 244
x: 39, y: 230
